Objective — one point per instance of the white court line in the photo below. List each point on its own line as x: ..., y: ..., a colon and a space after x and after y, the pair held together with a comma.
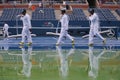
x: 18, y: 54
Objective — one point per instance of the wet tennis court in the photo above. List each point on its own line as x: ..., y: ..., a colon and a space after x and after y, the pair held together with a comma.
x: 45, y: 61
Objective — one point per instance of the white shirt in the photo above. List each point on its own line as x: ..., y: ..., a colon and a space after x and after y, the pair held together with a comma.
x: 64, y: 22
x: 94, y: 21
x: 5, y: 28
x: 26, y: 21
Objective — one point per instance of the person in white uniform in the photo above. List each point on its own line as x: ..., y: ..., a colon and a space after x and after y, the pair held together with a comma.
x: 26, y: 31
x: 64, y: 27
x: 5, y: 30
x: 94, y: 27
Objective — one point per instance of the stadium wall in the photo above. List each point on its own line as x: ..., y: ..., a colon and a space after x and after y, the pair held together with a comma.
x: 57, y: 6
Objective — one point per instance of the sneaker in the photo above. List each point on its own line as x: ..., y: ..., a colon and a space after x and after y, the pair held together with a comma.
x: 104, y: 41
x: 21, y: 46
x: 29, y: 43
x: 57, y: 44
x: 73, y: 42
x: 91, y: 44
x: 21, y: 43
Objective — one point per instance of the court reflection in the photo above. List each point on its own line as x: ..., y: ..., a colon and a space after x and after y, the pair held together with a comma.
x: 94, y: 62
x: 61, y: 63
x: 4, y: 45
x: 26, y: 59
x: 64, y: 64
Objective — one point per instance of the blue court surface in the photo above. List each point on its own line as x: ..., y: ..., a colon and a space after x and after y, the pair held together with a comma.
x: 43, y: 60
x: 49, y: 42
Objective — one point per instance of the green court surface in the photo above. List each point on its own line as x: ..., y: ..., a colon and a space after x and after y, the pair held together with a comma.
x: 60, y: 64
